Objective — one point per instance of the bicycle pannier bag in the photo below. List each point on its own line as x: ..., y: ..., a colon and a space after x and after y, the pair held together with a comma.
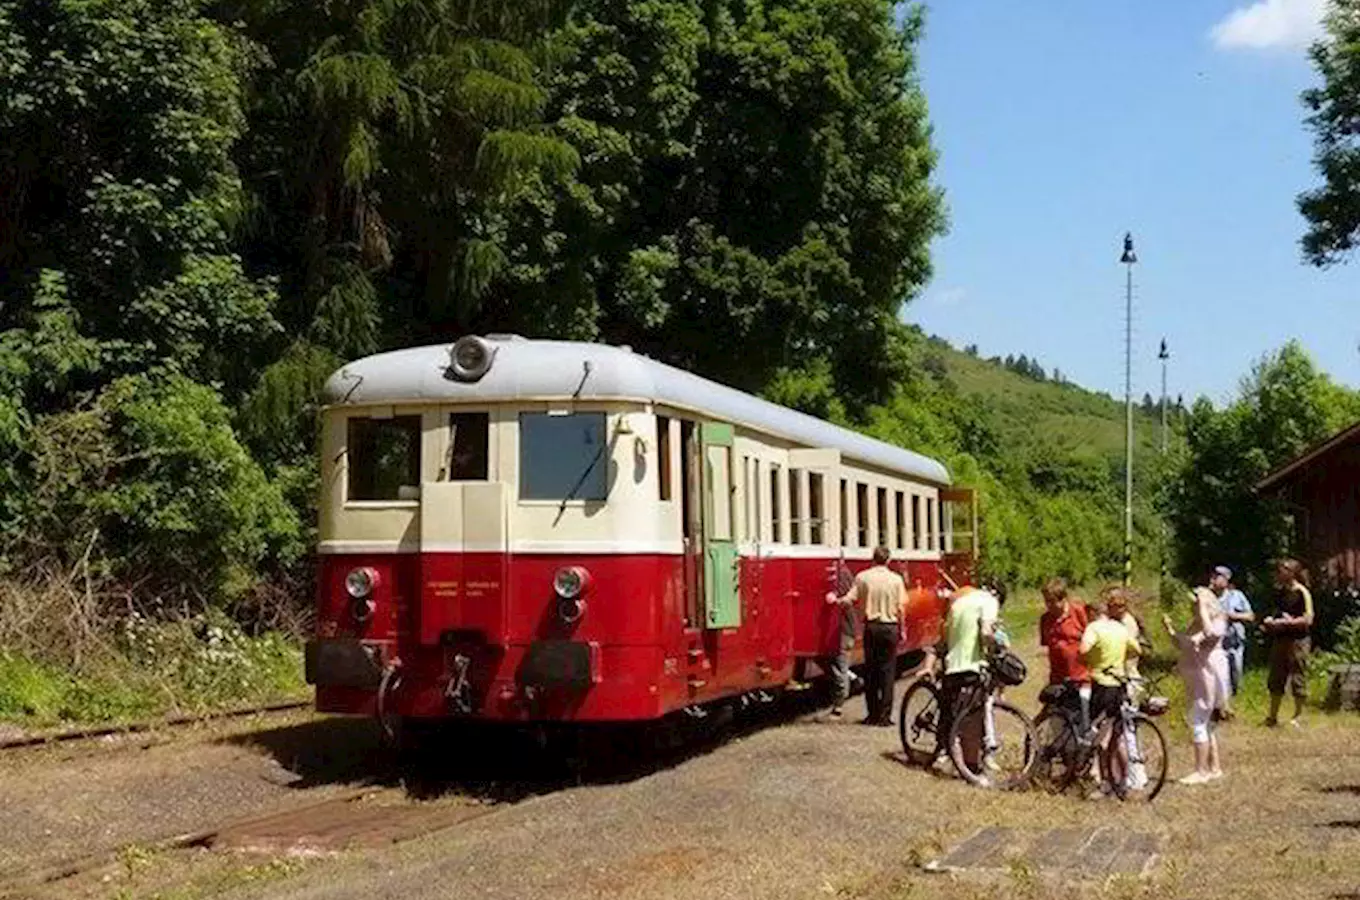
x: 1008, y: 668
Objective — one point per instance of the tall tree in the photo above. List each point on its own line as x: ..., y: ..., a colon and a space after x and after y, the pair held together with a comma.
x: 127, y: 316
x: 390, y: 136
x: 1284, y: 406
x: 1333, y: 210
x: 755, y: 191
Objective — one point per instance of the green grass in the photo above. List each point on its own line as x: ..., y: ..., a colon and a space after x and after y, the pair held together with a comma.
x: 152, y: 669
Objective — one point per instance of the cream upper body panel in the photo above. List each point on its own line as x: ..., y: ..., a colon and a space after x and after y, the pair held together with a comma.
x: 540, y: 399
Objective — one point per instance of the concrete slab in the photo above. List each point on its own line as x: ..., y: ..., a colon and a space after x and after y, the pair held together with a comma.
x: 1081, y: 852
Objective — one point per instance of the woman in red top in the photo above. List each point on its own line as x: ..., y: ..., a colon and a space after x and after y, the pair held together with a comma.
x: 1060, y: 630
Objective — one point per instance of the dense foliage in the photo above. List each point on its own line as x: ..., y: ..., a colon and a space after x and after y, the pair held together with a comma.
x: 1285, y: 406
x: 1046, y: 458
x: 208, y: 204
x: 1333, y: 209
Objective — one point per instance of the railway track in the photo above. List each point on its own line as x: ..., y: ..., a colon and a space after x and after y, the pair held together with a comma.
x: 82, y: 734
x: 358, y: 819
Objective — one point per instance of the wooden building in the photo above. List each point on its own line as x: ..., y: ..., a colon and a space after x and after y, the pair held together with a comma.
x: 1322, y: 491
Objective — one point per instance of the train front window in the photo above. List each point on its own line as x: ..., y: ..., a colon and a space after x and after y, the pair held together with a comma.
x: 469, y: 435
x: 563, y: 457
x: 383, y: 457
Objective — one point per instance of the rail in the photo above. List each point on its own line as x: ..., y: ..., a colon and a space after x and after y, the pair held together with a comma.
x: 97, y: 731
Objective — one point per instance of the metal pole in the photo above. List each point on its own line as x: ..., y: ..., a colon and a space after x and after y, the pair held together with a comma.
x: 1128, y: 259
x: 1163, y: 355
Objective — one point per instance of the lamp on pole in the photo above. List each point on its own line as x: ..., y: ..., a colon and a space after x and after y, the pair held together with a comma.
x: 1163, y: 355
x: 1128, y: 259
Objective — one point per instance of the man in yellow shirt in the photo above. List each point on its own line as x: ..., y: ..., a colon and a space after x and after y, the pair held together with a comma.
x: 884, y: 595
x: 1107, y: 647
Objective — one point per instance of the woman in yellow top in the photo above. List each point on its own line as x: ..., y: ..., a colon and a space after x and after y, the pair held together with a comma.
x: 1106, y: 647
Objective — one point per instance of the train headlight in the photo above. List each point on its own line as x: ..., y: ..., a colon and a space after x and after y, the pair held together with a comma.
x: 470, y: 358
x: 570, y: 582
x: 360, y: 582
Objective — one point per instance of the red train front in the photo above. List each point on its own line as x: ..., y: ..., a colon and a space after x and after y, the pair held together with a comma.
x: 538, y: 530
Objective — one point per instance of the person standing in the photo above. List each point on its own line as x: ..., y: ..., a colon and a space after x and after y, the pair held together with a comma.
x: 1289, y: 645
x: 884, y: 596
x: 843, y: 600
x: 969, y: 630
x: 1202, y: 661
x: 1238, y: 610
x: 1106, y: 648
x: 1060, y: 631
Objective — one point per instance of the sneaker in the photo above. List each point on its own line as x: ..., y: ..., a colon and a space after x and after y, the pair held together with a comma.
x: 1296, y: 724
x: 1214, y: 776
x: 1271, y: 722
x: 1194, y: 778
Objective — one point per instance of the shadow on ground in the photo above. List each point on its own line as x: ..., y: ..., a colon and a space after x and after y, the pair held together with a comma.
x: 502, y: 763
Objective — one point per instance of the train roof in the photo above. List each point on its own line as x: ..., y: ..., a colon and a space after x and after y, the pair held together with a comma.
x: 528, y: 370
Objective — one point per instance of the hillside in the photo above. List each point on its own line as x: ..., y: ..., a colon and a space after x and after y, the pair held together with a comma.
x: 1047, y: 458
x: 1065, y: 414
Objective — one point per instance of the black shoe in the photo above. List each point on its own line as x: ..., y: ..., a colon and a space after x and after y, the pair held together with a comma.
x: 868, y: 720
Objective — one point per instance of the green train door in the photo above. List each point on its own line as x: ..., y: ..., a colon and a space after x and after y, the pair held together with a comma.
x: 721, y: 595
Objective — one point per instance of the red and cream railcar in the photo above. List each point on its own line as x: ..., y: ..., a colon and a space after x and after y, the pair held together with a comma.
x: 533, y: 530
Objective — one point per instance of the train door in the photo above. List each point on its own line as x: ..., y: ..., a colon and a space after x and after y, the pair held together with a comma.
x: 691, y: 513
x: 722, y: 600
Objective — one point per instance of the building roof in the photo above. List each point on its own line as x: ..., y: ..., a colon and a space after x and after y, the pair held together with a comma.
x: 536, y: 370
x: 1299, y: 464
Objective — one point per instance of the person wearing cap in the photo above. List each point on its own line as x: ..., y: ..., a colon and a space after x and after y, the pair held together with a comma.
x: 1238, y: 610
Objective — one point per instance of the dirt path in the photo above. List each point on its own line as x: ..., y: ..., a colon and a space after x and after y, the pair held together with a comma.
x: 69, y: 800
x: 799, y: 809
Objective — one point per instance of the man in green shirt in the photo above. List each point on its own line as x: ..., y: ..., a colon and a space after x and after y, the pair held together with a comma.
x: 969, y: 631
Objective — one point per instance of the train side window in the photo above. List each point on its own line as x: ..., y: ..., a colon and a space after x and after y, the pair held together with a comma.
x: 862, y: 513
x: 563, y: 457
x: 901, y: 519
x: 845, y: 514
x: 776, y: 523
x: 663, y: 457
x: 882, y: 519
x: 469, y: 440
x: 383, y: 457
x: 930, y: 523
x: 720, y: 490
x: 815, y: 520
x: 795, y: 506
x: 916, y: 521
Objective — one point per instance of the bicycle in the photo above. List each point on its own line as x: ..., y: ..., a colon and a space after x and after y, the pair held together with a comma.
x: 1064, y: 759
x: 991, y: 742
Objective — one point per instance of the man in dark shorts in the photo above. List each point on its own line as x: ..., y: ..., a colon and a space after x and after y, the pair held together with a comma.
x: 1289, y: 644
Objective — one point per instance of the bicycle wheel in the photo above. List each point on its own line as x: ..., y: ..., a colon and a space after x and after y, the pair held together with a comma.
x: 917, y: 719
x: 1059, y: 758
x: 1004, y: 758
x: 1144, y: 746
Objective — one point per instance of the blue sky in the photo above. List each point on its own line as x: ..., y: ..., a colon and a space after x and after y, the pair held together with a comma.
x: 1062, y: 124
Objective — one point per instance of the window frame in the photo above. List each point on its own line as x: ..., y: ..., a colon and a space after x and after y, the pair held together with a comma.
x: 606, y: 457
x: 349, y: 501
